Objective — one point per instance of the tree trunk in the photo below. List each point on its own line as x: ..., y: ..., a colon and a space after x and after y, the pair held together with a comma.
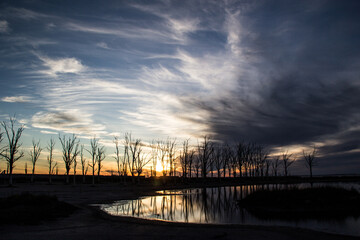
x: 10, y: 177
x: 67, y: 176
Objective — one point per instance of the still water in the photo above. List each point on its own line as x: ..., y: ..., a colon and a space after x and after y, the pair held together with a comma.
x: 219, y: 206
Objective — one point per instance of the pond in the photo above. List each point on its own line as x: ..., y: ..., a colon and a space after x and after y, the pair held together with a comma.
x: 219, y: 206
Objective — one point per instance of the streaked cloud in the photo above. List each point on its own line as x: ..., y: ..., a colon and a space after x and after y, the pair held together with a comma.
x: 17, y: 99
x: 72, y: 121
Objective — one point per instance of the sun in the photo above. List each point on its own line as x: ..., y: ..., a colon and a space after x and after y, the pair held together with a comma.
x: 159, y: 168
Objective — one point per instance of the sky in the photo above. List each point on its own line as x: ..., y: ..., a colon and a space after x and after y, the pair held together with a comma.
x: 284, y: 74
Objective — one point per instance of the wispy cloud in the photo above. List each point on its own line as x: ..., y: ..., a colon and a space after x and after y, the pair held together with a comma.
x: 72, y: 121
x: 17, y: 99
x: 24, y: 13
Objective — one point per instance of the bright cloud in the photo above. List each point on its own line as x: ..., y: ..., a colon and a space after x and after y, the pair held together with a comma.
x: 61, y: 65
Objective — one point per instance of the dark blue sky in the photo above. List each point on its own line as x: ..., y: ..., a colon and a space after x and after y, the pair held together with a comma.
x: 282, y: 73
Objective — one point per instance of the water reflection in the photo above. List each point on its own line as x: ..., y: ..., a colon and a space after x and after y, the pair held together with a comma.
x: 216, y: 205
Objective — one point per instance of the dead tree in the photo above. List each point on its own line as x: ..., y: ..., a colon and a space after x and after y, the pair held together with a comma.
x: 93, y: 151
x: 141, y: 160
x: 75, y: 164
x: 197, y: 165
x: 310, y: 160
x: 11, y: 152
x: 260, y: 159
x: 84, y: 164
x: 154, y: 157
x: 171, y: 148
x: 100, y: 157
x: 205, y: 151
x: 34, y: 156
x: 275, y: 166
x: 117, y: 155
x: 162, y: 149
x: 218, y: 160
x: 50, y: 159
x: 184, y: 158
x: 132, y: 150
x: 70, y: 149
x: 287, y: 162
x: 240, y: 156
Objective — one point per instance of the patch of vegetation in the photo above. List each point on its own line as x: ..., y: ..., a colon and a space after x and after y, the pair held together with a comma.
x: 32, y: 209
x: 309, y: 203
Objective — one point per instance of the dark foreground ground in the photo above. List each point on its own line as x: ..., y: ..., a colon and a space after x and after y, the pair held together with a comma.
x: 89, y: 223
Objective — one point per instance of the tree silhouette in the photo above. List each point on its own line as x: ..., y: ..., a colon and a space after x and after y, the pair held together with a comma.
x: 50, y: 159
x: 205, y: 151
x: 11, y: 152
x: 287, y: 162
x: 35, y: 154
x: 117, y: 155
x: 171, y: 148
x: 141, y: 160
x: 275, y: 166
x: 70, y: 150
x: 93, y: 151
x: 84, y: 164
x: 310, y: 160
x: 132, y: 147
x: 100, y: 155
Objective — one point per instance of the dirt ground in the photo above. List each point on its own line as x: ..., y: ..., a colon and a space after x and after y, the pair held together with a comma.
x: 90, y: 223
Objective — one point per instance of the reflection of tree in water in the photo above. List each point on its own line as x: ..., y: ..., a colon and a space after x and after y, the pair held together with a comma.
x: 206, y: 205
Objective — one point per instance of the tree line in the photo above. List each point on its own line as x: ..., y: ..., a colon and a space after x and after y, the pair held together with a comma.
x: 208, y: 158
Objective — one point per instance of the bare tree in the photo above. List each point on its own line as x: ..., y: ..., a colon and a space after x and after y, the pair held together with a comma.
x: 218, y: 160
x: 184, y: 158
x: 75, y: 164
x: 162, y: 149
x: 141, y: 160
x: 154, y: 157
x: 132, y: 147
x: 70, y: 151
x: 93, y: 151
x: 11, y: 152
x: 117, y: 155
x: 240, y: 156
x: 287, y: 162
x: 197, y: 165
x: 310, y: 160
x: 34, y: 155
x: 171, y: 148
x: 25, y: 168
x: 50, y: 159
x: 100, y: 157
x: 205, y: 151
x: 275, y: 166
x: 84, y: 164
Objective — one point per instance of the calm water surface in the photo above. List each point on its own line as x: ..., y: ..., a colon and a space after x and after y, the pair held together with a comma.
x: 219, y: 206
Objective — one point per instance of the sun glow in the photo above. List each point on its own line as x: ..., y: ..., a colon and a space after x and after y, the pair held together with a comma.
x: 159, y: 168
